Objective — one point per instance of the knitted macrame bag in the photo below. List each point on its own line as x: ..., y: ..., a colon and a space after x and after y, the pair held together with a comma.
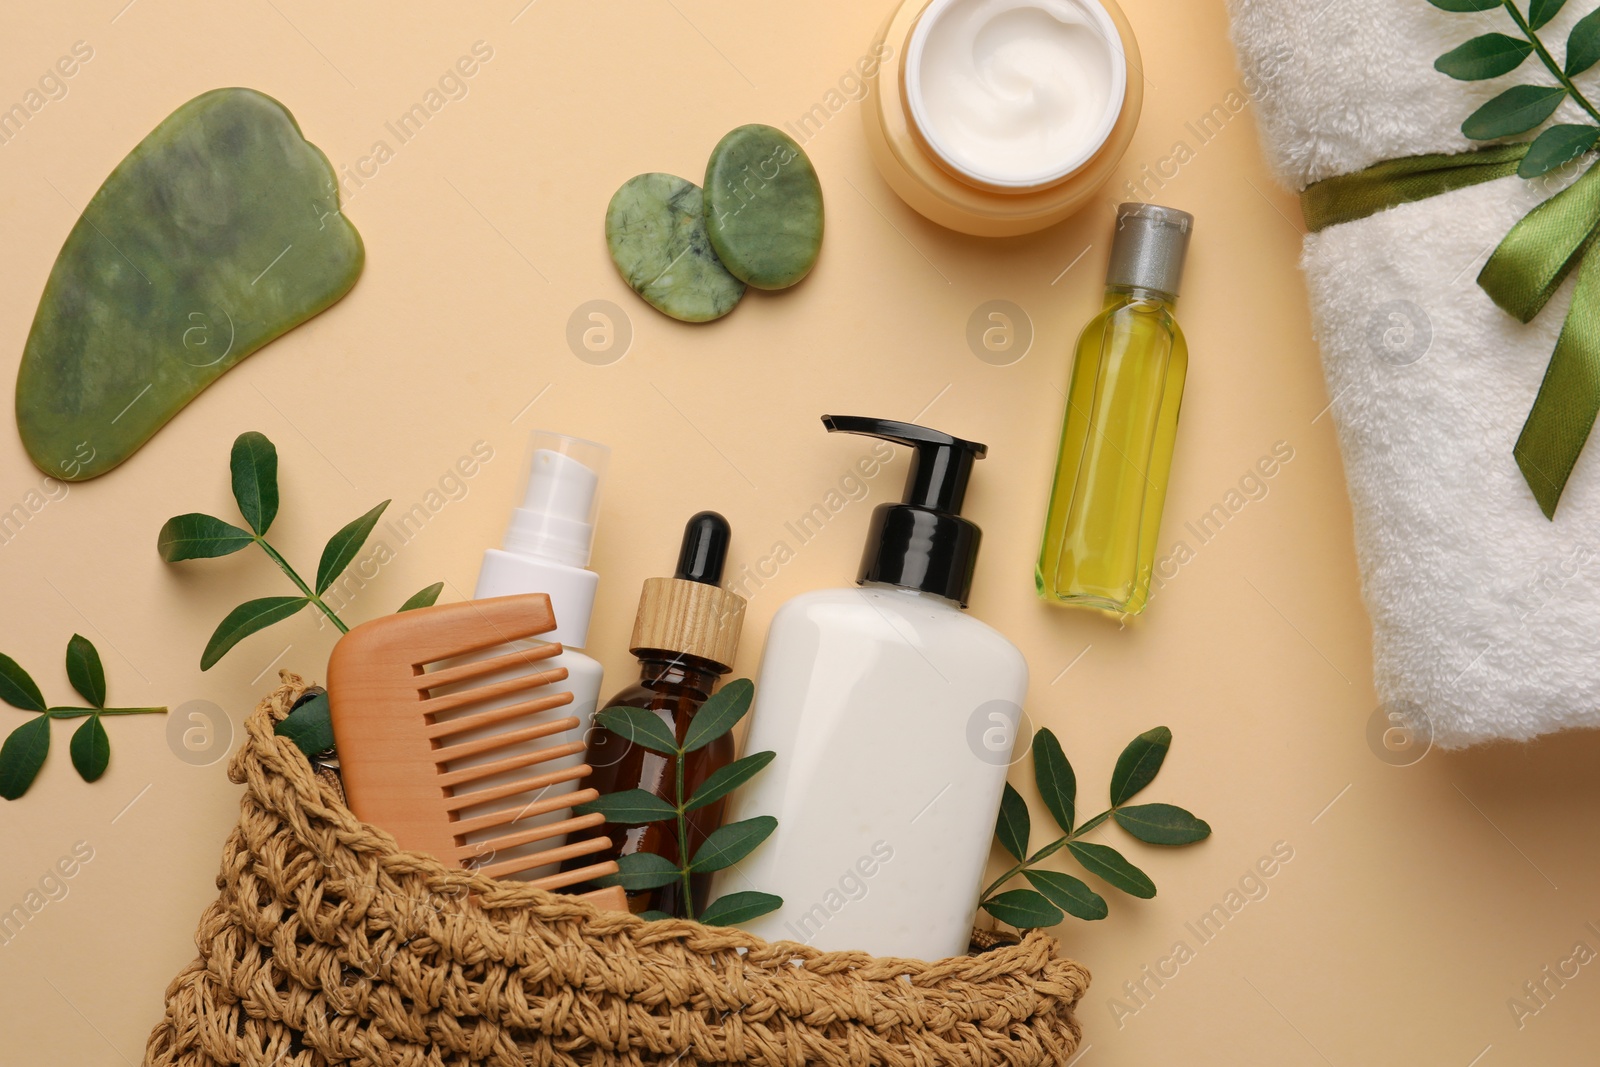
x: 330, y: 945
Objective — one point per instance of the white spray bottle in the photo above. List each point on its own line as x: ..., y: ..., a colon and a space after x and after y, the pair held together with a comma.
x: 546, y: 550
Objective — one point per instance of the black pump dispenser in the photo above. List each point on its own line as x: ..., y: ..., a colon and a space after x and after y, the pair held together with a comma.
x: 704, y: 550
x: 922, y: 543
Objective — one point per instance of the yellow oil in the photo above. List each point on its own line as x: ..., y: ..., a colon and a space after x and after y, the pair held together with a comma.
x: 1116, y: 453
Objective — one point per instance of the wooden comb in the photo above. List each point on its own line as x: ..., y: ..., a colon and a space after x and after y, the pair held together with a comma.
x: 398, y: 728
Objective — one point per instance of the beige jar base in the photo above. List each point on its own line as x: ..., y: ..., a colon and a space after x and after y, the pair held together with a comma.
x: 915, y: 174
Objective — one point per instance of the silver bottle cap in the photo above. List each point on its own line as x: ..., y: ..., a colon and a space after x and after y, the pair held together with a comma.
x: 1149, y: 247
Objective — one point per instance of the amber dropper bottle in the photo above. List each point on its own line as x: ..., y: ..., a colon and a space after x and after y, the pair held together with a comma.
x: 686, y: 636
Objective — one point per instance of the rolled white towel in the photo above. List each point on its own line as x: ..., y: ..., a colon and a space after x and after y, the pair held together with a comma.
x: 1486, y: 615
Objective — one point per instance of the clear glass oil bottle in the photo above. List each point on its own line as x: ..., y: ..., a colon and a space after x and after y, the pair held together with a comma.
x: 1121, y: 424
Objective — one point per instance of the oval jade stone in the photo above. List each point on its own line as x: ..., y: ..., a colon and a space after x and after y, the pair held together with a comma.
x: 656, y: 231
x: 763, y: 207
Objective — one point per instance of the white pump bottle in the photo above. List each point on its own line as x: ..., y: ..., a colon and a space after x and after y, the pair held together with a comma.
x: 892, y: 713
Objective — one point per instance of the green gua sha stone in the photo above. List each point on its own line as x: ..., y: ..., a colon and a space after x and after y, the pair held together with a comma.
x: 656, y: 230
x: 763, y: 207
x: 220, y: 231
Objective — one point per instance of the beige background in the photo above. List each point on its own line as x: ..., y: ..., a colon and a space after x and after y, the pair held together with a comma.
x: 1418, y: 900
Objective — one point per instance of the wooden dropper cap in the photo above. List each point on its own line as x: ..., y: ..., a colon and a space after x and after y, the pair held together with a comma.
x: 690, y: 614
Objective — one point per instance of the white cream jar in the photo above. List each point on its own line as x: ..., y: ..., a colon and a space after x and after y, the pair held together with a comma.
x: 1015, y: 94
x: 1007, y: 115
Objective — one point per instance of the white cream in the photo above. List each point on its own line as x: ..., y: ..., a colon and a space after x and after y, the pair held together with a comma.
x: 1015, y: 93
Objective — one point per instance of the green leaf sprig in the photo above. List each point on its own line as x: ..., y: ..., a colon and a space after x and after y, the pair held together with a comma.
x: 27, y: 746
x: 254, y: 465
x: 1524, y: 107
x: 1054, y: 894
x: 724, y: 846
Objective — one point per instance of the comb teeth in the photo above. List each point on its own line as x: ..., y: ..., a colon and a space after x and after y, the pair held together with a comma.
x: 527, y: 811
x: 465, y: 672
x: 560, y: 881
x: 476, y: 695
x: 539, y: 782
x: 558, y: 855
x: 451, y: 779
x: 479, y: 850
x: 462, y: 723
x: 404, y: 732
x: 465, y: 749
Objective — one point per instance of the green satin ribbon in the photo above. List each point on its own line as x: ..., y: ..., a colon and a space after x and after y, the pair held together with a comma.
x: 1522, y: 274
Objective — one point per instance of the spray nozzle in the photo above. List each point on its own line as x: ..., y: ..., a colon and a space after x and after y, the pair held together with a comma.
x: 922, y: 543
x: 556, y: 518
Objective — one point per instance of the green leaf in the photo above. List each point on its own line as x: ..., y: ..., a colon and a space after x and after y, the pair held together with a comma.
x: 1139, y: 763
x: 1517, y: 110
x: 1057, y: 784
x: 85, y: 671
x: 1107, y: 863
x: 343, y: 546
x: 197, y: 536
x: 729, y: 844
x: 1465, y: 5
x: 654, y: 916
x: 255, y: 479
x: 631, y: 807
x: 1014, y: 824
x: 1541, y: 12
x: 1583, y: 46
x: 719, y: 714
x: 22, y: 755
x: 641, y: 870
x: 1069, y: 894
x: 310, y: 726
x: 17, y: 687
x: 1556, y: 147
x: 1024, y: 909
x: 425, y: 598
x: 641, y: 727
x: 245, y: 620
x: 1488, y: 56
x: 90, y: 748
x: 725, y: 780
x: 734, y: 908
x: 1162, y: 824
